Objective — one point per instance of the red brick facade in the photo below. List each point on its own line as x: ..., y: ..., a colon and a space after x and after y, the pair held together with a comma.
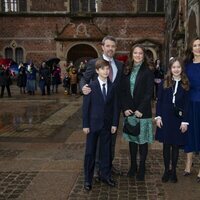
x: 45, y: 35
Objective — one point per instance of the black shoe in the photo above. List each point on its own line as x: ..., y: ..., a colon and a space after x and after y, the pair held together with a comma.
x: 141, y: 172
x: 131, y: 173
x: 87, y: 186
x: 140, y: 177
x: 198, y: 179
x: 109, y: 182
x: 165, y: 177
x: 173, y: 177
x: 115, y: 171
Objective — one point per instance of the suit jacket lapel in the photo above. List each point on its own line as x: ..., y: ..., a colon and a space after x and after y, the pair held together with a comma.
x: 108, y: 89
x: 118, y: 70
x: 137, y: 81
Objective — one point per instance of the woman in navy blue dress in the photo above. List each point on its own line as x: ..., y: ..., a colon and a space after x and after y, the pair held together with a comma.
x: 171, y: 116
x: 193, y: 72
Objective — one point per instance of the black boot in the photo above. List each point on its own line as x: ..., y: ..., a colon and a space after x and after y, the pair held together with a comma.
x: 133, y: 148
x: 166, y: 176
x: 166, y: 157
x: 173, y: 177
x: 143, y: 149
x: 175, y: 155
x: 141, y: 172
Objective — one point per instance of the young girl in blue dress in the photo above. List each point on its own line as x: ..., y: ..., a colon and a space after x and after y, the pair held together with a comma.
x: 171, y: 116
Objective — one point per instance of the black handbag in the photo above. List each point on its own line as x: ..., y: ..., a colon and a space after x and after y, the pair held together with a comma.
x: 130, y: 129
x: 178, y: 112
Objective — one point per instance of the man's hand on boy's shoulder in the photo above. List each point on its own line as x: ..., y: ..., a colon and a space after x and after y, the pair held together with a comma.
x: 113, y: 129
x: 86, y: 89
x: 86, y: 130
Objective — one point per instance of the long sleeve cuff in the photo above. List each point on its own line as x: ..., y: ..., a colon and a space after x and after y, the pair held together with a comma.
x: 186, y: 123
x: 158, y: 117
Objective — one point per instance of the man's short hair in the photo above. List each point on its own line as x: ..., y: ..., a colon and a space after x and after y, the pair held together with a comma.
x: 101, y: 63
x: 108, y: 37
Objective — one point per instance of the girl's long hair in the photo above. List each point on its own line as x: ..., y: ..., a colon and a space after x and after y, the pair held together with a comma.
x: 168, y: 80
x: 130, y: 63
x: 188, y: 53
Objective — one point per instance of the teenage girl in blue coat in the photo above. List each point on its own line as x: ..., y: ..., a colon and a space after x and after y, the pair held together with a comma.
x: 171, y: 116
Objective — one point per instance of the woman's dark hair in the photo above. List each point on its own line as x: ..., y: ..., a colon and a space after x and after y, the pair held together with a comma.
x: 130, y: 63
x: 168, y: 80
x: 188, y: 53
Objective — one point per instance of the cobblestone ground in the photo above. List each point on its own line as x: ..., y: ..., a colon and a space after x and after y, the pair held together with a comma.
x: 128, y: 188
x: 41, y: 156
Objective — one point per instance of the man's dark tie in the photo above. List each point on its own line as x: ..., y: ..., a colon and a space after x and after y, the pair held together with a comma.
x: 111, y: 72
x: 104, y: 91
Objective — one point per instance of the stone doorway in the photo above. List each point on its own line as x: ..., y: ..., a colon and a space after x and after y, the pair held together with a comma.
x: 81, y: 53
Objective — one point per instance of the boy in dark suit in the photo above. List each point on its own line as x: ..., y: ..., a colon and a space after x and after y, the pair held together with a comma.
x: 100, y: 120
x: 109, y: 46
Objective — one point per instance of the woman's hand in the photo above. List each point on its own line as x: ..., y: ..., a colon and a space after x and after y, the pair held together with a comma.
x: 138, y: 114
x: 183, y: 128
x: 128, y: 113
x: 86, y: 130
x: 159, y: 123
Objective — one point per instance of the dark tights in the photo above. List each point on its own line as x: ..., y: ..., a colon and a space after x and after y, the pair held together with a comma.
x: 170, y: 152
x: 143, y: 150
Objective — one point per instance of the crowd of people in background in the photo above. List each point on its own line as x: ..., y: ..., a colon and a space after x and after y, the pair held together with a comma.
x: 47, y: 79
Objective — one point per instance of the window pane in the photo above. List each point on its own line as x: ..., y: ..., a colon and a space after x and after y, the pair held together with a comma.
x: 9, y: 53
x: 85, y: 6
x: 160, y: 5
x: 151, y: 5
x: 19, y: 55
x: 75, y: 6
x: 93, y: 5
x: 22, y: 5
x: 10, y: 5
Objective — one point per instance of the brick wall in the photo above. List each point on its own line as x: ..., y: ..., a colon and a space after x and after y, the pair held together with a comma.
x: 49, y: 5
x: 118, y: 5
x: 36, y: 33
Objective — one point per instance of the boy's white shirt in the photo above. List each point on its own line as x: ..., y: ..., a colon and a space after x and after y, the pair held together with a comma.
x: 101, y: 84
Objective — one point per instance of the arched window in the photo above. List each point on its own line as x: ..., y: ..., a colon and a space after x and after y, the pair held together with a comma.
x: 9, y: 53
x: 19, y: 55
x: 16, y: 55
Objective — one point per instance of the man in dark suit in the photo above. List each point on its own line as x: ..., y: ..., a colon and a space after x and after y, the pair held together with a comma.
x: 109, y: 48
x: 100, y: 120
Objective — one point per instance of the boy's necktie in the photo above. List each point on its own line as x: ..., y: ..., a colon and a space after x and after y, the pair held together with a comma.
x: 104, y: 91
